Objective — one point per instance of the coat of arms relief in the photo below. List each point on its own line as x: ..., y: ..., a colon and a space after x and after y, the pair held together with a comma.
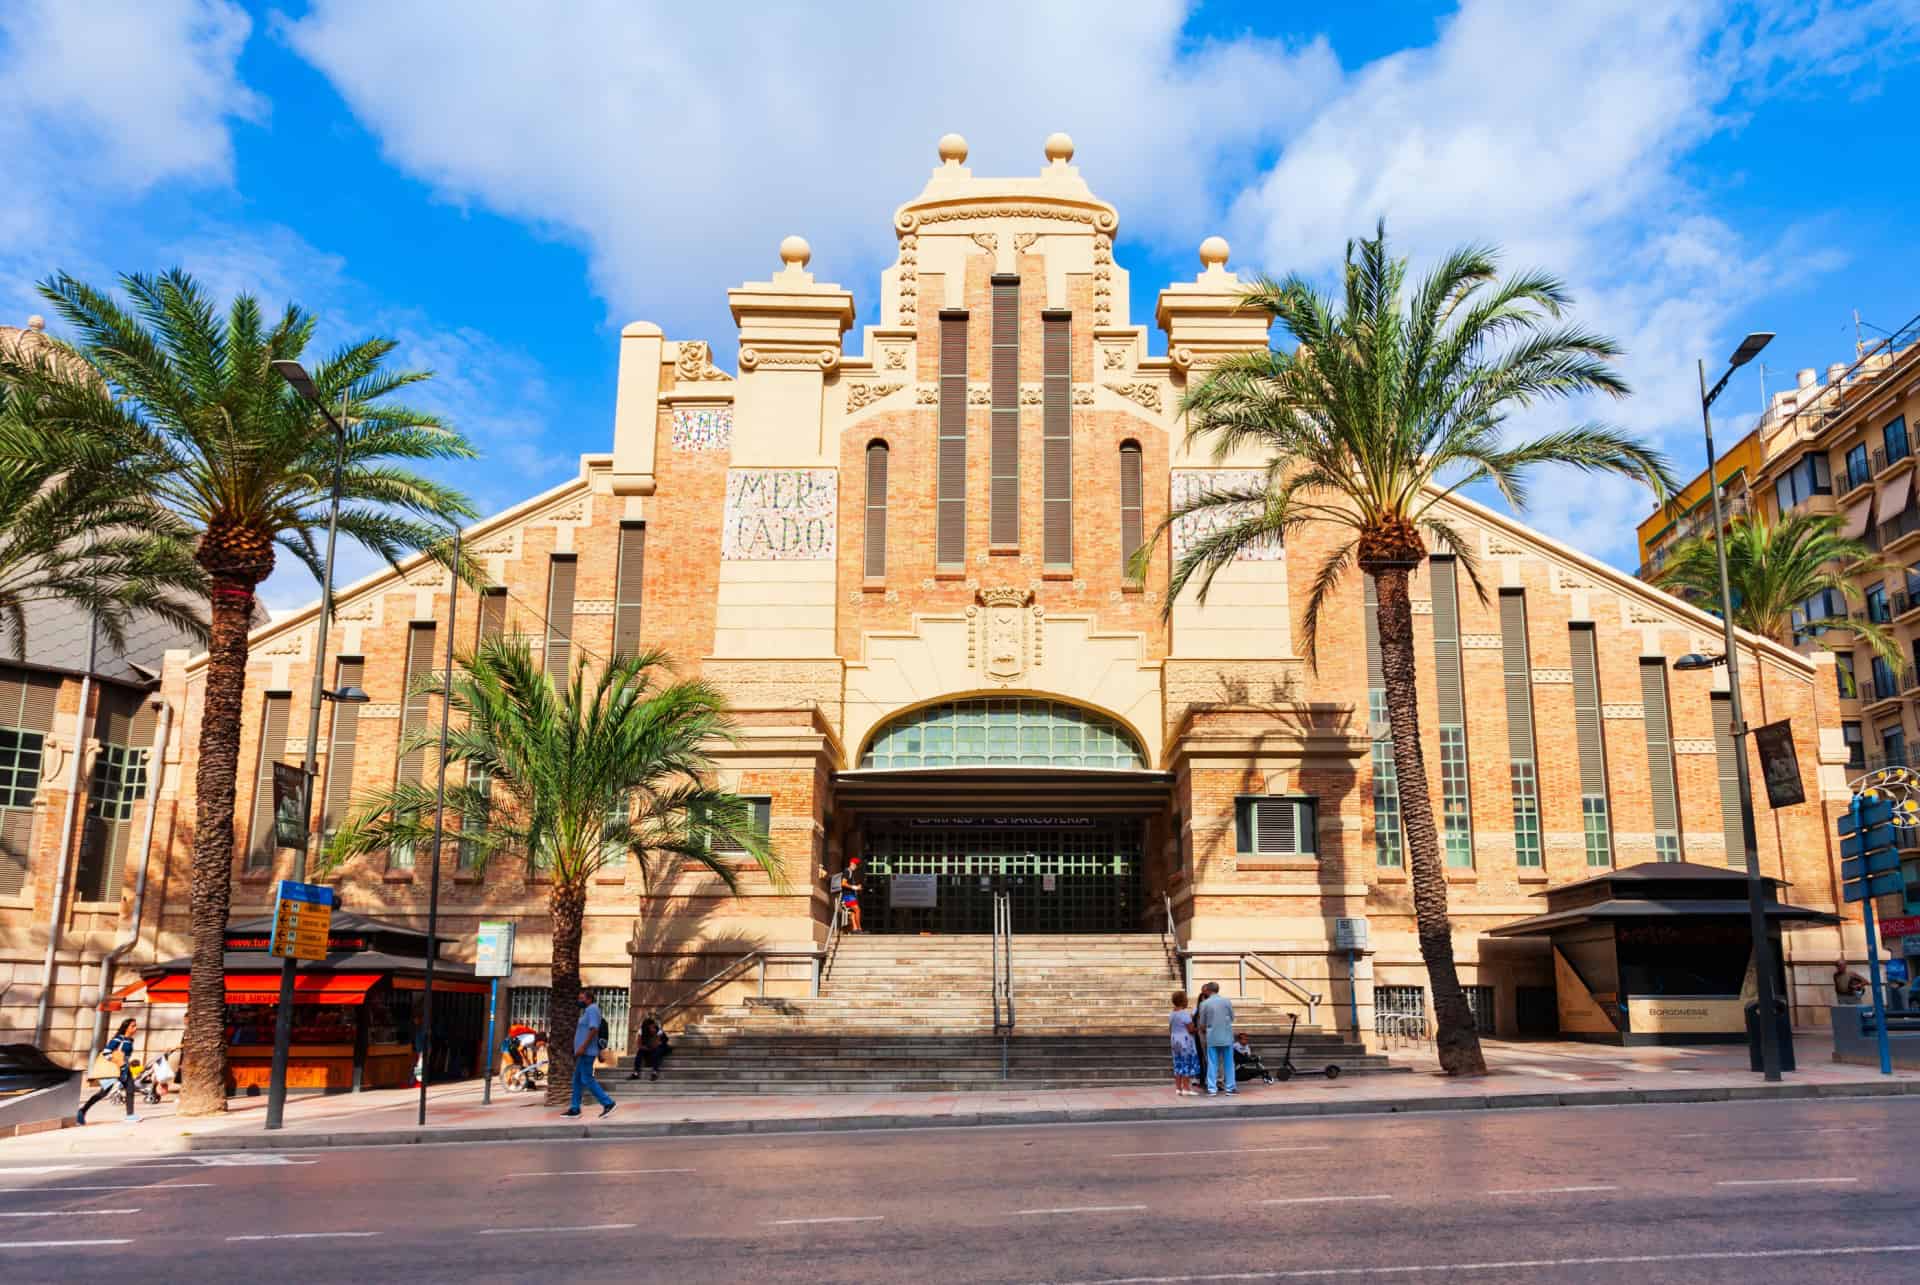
x: 1004, y: 633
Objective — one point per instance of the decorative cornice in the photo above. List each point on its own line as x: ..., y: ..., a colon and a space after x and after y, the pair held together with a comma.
x: 1147, y: 395
x: 824, y: 358
x: 860, y: 395
x: 1623, y: 711
x: 696, y: 362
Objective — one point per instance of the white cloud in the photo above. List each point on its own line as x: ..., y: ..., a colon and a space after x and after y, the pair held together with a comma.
x: 678, y: 145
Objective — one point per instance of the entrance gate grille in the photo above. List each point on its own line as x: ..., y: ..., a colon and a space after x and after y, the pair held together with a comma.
x: 1059, y: 878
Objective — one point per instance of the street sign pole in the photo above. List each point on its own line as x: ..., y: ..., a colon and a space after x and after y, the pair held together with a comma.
x: 492, y: 1054
x: 1870, y: 867
x: 1879, y: 1003
x: 1353, y: 993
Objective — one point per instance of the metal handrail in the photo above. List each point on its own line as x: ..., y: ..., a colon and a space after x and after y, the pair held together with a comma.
x: 829, y: 948
x: 1401, y: 1026
x: 1170, y: 936
x: 1312, y: 999
x: 759, y: 957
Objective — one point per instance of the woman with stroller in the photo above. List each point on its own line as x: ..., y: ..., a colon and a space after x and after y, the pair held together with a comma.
x: 1186, y: 1053
x: 119, y: 1052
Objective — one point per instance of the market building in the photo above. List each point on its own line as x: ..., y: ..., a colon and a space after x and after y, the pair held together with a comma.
x: 903, y: 554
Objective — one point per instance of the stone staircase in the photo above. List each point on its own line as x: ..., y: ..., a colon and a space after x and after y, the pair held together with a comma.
x: 910, y: 1013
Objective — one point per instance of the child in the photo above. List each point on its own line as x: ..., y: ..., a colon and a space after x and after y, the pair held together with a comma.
x: 1247, y: 1063
x: 1186, y: 1054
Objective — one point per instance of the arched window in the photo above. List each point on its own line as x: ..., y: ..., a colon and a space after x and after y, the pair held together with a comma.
x: 876, y: 510
x: 1003, y: 732
x: 1132, y: 510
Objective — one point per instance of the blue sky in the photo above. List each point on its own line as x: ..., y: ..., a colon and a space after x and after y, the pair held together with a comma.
x: 502, y: 194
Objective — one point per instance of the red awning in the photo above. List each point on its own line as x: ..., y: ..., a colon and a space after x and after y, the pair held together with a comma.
x: 264, y: 988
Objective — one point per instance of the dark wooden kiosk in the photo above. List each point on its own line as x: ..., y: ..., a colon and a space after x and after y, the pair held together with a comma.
x: 1656, y: 953
x: 355, y: 1013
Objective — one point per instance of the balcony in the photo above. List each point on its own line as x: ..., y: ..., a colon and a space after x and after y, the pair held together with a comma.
x: 1878, y: 690
x: 1856, y: 476
x: 1896, y: 758
x: 1882, y: 460
x: 1905, y: 600
x: 1901, y: 529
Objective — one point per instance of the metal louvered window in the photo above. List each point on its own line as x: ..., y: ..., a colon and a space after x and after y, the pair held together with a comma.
x: 876, y: 546
x: 761, y: 808
x: 1003, y: 526
x: 413, y: 718
x: 26, y: 716
x: 1517, y: 672
x: 273, y: 743
x: 950, y: 466
x: 530, y: 1004
x: 1388, y: 849
x: 480, y: 781
x: 1592, y: 749
x: 628, y: 582
x: 563, y: 570
x: 1660, y: 778
x: 1267, y: 826
x: 118, y: 783
x: 1456, y: 803
x: 1133, y: 526
x: 342, y: 745
x: 491, y: 620
x: 1056, y: 436
x: 1725, y: 749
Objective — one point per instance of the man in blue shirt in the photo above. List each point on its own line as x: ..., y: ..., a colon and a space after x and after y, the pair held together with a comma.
x: 1215, y: 1020
x: 586, y: 1051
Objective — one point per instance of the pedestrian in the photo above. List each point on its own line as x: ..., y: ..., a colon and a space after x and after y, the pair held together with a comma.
x: 850, y: 895
x: 654, y: 1048
x: 119, y: 1055
x: 1848, y: 985
x: 1216, y: 1029
x: 586, y: 1051
x: 1186, y: 1054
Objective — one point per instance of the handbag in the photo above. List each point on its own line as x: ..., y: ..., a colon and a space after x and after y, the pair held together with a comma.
x: 105, y: 1067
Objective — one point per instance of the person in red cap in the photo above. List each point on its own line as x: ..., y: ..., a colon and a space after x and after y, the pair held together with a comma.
x: 850, y: 895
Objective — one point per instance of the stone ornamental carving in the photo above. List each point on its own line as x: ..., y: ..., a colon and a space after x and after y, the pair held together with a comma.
x: 1083, y: 397
x: 1481, y: 642
x: 1147, y: 395
x: 859, y: 395
x: 593, y: 607
x: 1499, y: 547
x: 1102, y: 280
x: 1005, y: 621
x: 1419, y: 606
x: 1694, y: 745
x: 1102, y: 221
x: 1023, y: 241
x: 1190, y: 485
x: 293, y: 644
x: 987, y: 241
x: 896, y: 359
x: 1639, y: 614
x: 1623, y: 711
x: 927, y: 395
x: 1553, y: 675
x: 696, y: 362
x: 909, y: 279
x: 1030, y: 395
x: 824, y: 358
x: 977, y: 395
x: 1116, y: 358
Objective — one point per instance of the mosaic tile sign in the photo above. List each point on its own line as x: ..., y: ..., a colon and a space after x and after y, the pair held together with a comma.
x: 708, y: 429
x: 780, y: 514
x: 1190, y: 484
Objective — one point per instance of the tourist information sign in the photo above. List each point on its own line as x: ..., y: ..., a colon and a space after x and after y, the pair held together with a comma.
x: 302, y: 917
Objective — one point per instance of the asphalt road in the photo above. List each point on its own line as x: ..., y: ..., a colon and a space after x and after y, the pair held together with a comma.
x: 1801, y: 1192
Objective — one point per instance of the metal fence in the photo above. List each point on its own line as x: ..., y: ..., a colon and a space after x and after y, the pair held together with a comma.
x: 529, y: 1004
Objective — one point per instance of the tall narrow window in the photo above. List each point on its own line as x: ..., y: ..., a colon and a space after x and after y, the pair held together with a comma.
x: 1056, y: 435
x: 492, y: 615
x: 273, y: 743
x: 413, y: 719
x: 342, y: 742
x: 950, y: 468
x: 876, y: 510
x: 124, y: 728
x: 1133, y: 526
x: 26, y: 716
x: 1593, y: 759
x: 1517, y: 670
x: 1004, y: 518
x: 627, y: 587
x: 472, y: 828
x: 1660, y: 778
x: 1456, y: 804
x: 1724, y: 751
x: 563, y: 571
x: 1387, y: 850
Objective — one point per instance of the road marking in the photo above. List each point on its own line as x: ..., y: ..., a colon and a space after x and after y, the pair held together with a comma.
x: 93, y: 1168
x: 525, y: 1231
x: 122, y: 1186
x: 1224, y: 1151
x: 57, y: 1244
x: 1543, y: 1072
x: 245, y: 1159
x: 1781, y: 1182
x: 1741, y: 1133
x: 595, y: 1173
x: 310, y: 1235
x: 810, y: 1222
x: 1515, y: 1264
x: 65, y: 1213
x: 1085, y: 1209
x: 1547, y: 1191
x: 1320, y: 1200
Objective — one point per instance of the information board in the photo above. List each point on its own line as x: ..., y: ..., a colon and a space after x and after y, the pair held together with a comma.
x: 302, y: 918
x: 914, y: 892
x: 289, y: 806
x: 493, y: 952
x: 1349, y: 934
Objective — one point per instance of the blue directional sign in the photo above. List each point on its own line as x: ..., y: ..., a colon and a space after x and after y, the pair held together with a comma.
x: 1874, y: 886
x: 1879, y: 861
x: 1871, y: 812
x: 1871, y: 839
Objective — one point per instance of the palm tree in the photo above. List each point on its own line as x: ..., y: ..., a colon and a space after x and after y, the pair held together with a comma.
x: 1773, y: 569
x: 191, y: 405
x: 1388, y: 406
x: 574, y: 780
x: 130, y: 557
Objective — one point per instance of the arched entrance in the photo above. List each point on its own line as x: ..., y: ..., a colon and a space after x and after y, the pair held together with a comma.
x: 1046, y: 800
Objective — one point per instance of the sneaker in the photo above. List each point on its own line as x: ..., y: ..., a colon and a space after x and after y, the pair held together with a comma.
x: 133, y: 1119
x: 1232, y: 1092
x: 1213, y: 1093
x: 80, y: 1118
x: 569, y: 1113
x: 607, y: 1110
x: 654, y: 1076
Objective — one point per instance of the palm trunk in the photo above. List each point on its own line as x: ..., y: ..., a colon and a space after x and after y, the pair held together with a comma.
x: 567, y: 903
x: 1455, y: 1038
x: 203, y: 1078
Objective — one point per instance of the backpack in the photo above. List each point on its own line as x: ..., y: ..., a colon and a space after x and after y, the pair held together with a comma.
x: 606, y: 1033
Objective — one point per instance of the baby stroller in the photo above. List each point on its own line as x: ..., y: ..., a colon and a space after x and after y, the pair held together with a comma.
x: 1247, y: 1065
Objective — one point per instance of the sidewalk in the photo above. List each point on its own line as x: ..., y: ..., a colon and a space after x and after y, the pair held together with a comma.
x: 1520, y: 1075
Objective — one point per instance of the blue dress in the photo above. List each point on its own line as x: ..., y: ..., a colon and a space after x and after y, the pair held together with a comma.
x: 1186, y: 1056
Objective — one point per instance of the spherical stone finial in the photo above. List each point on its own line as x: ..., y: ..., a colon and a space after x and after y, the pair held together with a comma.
x: 953, y: 148
x: 795, y: 251
x: 1059, y: 147
x: 1213, y: 252
x: 36, y: 322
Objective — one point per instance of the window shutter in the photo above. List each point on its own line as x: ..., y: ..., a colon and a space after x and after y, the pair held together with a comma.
x: 1446, y: 642
x: 16, y: 835
x: 273, y: 743
x: 27, y: 699
x: 950, y: 537
x: 876, y: 547
x: 1653, y: 694
x: 1586, y: 712
x: 1517, y: 669
x: 1274, y: 828
x: 1004, y: 522
x: 1370, y: 609
x: 1724, y: 751
x: 345, y: 733
x: 493, y: 613
x: 413, y: 712
x: 1056, y: 442
x: 627, y: 590
x: 1132, y: 511
x: 563, y: 570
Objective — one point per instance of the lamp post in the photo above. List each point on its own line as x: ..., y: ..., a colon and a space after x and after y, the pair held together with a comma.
x: 439, y: 832
x: 1756, y: 889
x: 296, y: 376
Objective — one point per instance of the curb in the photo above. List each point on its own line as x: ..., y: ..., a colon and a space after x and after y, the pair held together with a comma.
x: 1062, y: 1115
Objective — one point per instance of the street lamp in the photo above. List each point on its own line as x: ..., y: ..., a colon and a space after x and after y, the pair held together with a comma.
x: 439, y: 833
x: 296, y: 376
x: 1756, y: 889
